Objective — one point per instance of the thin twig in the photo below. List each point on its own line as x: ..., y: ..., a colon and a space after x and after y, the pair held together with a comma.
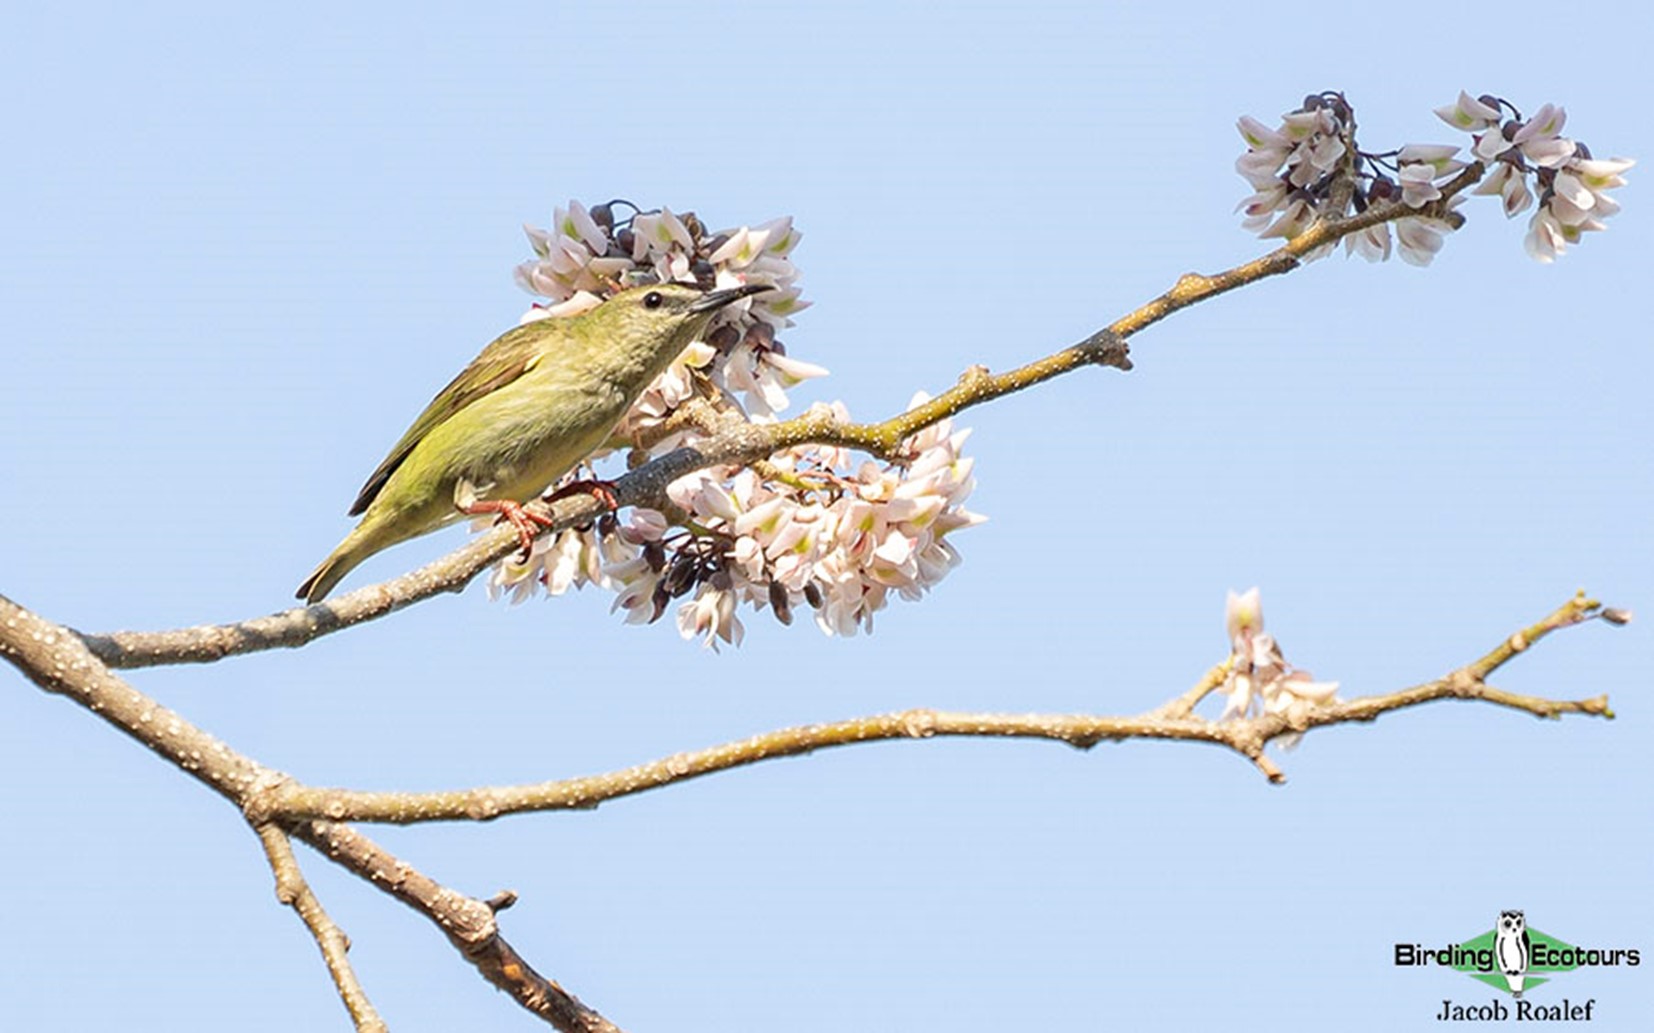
x: 293, y: 891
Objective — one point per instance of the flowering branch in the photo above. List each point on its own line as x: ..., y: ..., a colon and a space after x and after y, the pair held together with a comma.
x: 735, y: 442
x: 735, y: 504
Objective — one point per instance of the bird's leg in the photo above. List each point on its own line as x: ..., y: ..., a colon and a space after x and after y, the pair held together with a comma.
x: 527, y: 523
x: 602, y: 491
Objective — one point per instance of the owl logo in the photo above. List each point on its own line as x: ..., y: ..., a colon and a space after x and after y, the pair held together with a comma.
x: 1512, y: 948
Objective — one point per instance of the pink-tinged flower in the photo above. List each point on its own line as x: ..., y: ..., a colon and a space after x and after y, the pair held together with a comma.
x: 1576, y: 204
x: 1599, y: 174
x: 1580, y: 191
x: 1540, y: 138
x: 1237, y: 691
x: 1418, y: 240
x: 1546, y: 237
x: 781, y: 236
x: 1443, y: 158
x: 580, y: 301
x: 1259, y: 676
x: 659, y: 233
x: 1325, y: 155
x: 895, y: 561
x: 1242, y: 615
x: 1469, y: 114
x: 711, y: 616
x: 765, y: 376
x: 1261, y: 168
x: 1298, y: 126
x: 1260, y: 137
x: 644, y: 525
x: 1293, y: 221
x: 1571, y: 189
x: 1418, y: 185
x: 1372, y: 243
x: 634, y: 584
x: 577, y: 224
x: 743, y: 247
x: 1490, y: 146
x: 1263, y: 204
x: 1510, y: 184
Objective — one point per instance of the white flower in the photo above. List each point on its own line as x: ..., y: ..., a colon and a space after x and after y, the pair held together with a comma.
x: 1545, y: 239
x: 1242, y: 615
x: 1510, y: 184
x: 1601, y: 174
x: 659, y: 233
x: 1418, y: 239
x: 1576, y: 204
x: 1469, y: 114
x: 1418, y: 185
x: 711, y: 615
x: 1490, y: 146
x: 1260, y: 137
x: 1259, y: 676
x: 1540, y: 138
x: 577, y: 224
x: 1372, y: 243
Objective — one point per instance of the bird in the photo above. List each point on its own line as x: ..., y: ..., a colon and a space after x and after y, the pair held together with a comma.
x: 536, y: 401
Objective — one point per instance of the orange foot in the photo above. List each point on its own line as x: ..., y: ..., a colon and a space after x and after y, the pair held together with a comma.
x: 528, y: 524
x: 602, y: 491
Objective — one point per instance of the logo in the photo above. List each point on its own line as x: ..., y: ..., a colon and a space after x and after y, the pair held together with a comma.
x: 1514, y: 958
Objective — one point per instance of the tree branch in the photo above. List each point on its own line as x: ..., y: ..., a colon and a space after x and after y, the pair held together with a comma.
x: 59, y: 662
x: 468, y: 923
x: 292, y: 890
x: 1172, y: 720
x: 738, y: 443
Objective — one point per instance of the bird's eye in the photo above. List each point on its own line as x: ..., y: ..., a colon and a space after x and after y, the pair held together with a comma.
x: 652, y: 299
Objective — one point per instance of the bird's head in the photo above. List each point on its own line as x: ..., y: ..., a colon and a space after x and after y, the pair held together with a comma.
x: 661, y: 318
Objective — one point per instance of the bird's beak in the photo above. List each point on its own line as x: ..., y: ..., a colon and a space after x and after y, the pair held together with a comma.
x: 718, y: 299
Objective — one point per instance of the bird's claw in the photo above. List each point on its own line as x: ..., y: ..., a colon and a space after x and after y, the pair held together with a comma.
x: 526, y: 522
x: 602, y: 491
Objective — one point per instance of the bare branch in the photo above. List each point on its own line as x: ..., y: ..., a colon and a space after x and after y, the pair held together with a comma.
x: 468, y: 923
x: 58, y: 661
x: 292, y: 890
x: 1173, y: 720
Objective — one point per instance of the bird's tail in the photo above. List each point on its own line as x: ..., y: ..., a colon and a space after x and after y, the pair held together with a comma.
x: 353, y: 550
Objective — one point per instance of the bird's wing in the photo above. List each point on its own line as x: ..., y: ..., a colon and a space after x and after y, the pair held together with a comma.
x: 506, y: 358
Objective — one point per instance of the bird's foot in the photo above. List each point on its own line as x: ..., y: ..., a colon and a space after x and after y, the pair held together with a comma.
x: 602, y: 491
x: 527, y: 522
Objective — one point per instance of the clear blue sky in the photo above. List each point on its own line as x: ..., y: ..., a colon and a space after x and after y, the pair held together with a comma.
x: 244, y: 247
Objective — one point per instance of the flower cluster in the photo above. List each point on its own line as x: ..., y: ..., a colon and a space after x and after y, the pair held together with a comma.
x: 1529, y: 158
x: 809, y: 525
x: 587, y: 256
x: 1259, y: 676
x: 1310, y: 167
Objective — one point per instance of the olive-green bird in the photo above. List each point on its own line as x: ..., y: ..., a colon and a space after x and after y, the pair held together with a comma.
x: 539, y: 399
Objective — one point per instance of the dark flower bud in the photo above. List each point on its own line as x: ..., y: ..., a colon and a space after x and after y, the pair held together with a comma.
x: 780, y: 603
x: 724, y: 338
x: 654, y: 554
